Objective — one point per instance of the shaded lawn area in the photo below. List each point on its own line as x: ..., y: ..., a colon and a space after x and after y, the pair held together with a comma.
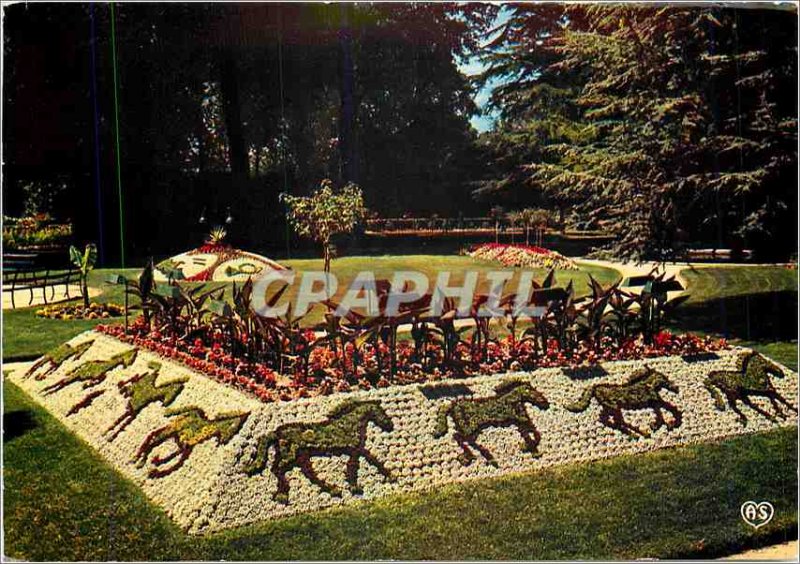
x: 63, y: 503
x: 728, y: 281
x: 753, y: 306
x: 27, y: 336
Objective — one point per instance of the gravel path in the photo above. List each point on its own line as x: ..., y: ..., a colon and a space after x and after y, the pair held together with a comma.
x: 627, y: 269
x: 55, y: 294
x: 632, y: 269
x: 787, y: 552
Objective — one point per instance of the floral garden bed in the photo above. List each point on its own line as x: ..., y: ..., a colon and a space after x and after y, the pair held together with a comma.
x: 329, y: 370
x: 34, y: 233
x: 526, y: 256
x: 214, y: 457
x: 79, y: 311
x: 218, y: 262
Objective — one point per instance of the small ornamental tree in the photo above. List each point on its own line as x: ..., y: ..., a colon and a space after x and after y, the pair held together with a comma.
x: 325, y: 213
x: 540, y: 220
x: 537, y: 219
x: 515, y: 219
x: 497, y: 214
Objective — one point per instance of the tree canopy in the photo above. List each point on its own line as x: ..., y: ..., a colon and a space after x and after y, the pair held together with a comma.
x: 666, y: 126
x: 229, y: 104
x: 325, y: 214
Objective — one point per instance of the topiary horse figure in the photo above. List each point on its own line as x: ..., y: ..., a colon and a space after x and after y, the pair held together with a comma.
x: 344, y: 432
x: 505, y: 409
x: 188, y: 428
x: 751, y: 379
x: 56, y: 357
x: 641, y: 391
x: 93, y: 372
x: 141, y: 391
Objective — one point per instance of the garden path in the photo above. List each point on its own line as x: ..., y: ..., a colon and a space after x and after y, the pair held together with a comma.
x: 787, y: 551
x: 58, y: 292
x: 627, y: 269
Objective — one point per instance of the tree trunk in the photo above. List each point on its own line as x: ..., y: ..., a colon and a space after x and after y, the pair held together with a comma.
x: 347, y: 109
x: 231, y: 107
x: 326, y: 257
x: 85, y: 290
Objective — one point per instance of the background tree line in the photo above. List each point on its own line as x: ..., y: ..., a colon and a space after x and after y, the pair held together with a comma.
x: 667, y: 126
x: 230, y: 104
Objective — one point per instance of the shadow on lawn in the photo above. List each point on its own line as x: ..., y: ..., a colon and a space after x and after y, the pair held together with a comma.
x: 769, y: 316
x: 17, y: 423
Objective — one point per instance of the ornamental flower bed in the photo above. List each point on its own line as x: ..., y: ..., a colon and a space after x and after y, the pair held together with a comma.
x: 34, y: 232
x: 525, y: 256
x: 78, y: 311
x: 327, y: 371
x: 218, y: 263
x: 215, y: 261
x: 214, y: 457
x: 275, y: 358
x: 226, y: 417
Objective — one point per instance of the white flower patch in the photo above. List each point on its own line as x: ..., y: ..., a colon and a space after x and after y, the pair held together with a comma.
x: 227, y: 460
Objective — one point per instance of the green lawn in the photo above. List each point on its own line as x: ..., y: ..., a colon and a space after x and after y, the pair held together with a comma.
x: 27, y: 336
x: 754, y: 306
x: 62, y: 502
x: 727, y: 281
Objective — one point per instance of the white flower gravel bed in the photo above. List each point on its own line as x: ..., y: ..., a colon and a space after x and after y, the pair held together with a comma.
x: 224, y: 482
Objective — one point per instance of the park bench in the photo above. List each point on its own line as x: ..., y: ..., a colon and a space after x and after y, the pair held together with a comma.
x: 44, y: 271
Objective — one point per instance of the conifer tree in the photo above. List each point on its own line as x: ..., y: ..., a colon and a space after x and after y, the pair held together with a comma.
x: 663, y: 124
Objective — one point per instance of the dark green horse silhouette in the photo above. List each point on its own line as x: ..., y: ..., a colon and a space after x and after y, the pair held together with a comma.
x: 188, y: 427
x: 505, y: 409
x: 141, y: 391
x: 641, y: 391
x: 751, y: 379
x: 344, y: 432
x: 56, y: 357
x: 93, y: 372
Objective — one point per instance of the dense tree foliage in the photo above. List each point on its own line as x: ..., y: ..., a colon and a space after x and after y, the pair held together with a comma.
x: 226, y: 104
x: 665, y: 125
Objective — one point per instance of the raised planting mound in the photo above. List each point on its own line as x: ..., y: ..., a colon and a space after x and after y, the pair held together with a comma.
x: 215, y: 261
x: 215, y: 457
x: 525, y: 256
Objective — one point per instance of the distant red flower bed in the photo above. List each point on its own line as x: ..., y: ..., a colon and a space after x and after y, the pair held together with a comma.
x: 310, y: 368
x: 529, y: 256
x: 212, y: 248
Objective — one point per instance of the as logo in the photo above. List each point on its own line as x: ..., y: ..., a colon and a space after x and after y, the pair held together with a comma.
x: 757, y: 514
